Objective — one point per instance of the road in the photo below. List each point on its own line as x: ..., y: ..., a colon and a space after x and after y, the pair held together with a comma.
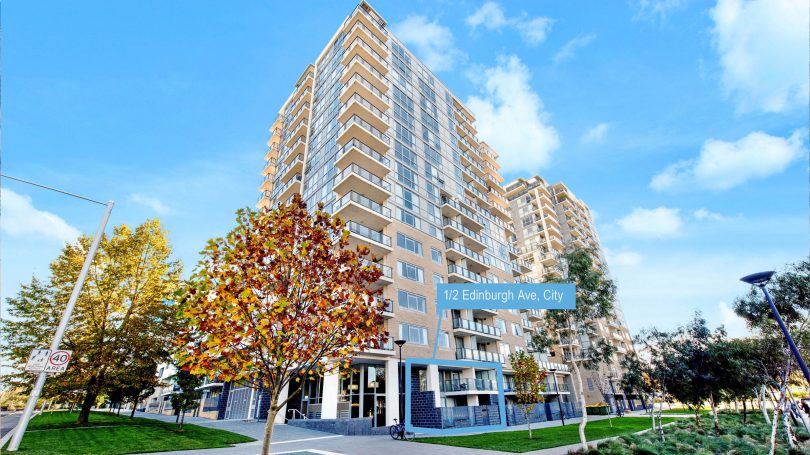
x: 8, y: 420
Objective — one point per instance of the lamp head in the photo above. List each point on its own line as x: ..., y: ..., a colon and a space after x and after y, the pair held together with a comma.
x: 758, y: 279
x: 399, y: 342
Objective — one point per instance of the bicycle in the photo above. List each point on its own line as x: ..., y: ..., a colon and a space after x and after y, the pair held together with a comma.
x: 397, y: 431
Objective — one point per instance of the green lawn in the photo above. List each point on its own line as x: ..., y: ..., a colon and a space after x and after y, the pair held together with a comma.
x: 108, y: 434
x: 543, y: 438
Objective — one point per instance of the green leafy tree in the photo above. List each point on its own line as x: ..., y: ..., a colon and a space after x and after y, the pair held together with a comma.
x: 529, y: 383
x: 595, y: 299
x: 123, y: 312
x: 279, y: 299
x: 187, y: 396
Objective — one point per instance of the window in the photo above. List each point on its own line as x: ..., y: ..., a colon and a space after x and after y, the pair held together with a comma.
x: 436, y: 255
x: 499, y: 323
x: 411, y: 272
x: 504, y: 349
x: 437, y: 278
x: 411, y: 301
x: 413, y: 334
x: 444, y: 340
x: 412, y: 245
x: 516, y: 330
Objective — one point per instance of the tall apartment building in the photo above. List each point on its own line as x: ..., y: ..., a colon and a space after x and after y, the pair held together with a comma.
x: 548, y: 220
x: 370, y: 132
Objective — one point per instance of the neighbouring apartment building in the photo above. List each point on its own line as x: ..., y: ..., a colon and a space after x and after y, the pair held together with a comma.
x: 371, y: 133
x: 548, y: 219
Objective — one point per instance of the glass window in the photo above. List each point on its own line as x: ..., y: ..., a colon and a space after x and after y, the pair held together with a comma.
x: 499, y: 323
x: 504, y: 349
x: 436, y: 255
x: 411, y: 301
x: 444, y: 340
x: 408, y: 243
x: 413, y: 334
x: 437, y: 278
x: 411, y: 272
x: 516, y: 330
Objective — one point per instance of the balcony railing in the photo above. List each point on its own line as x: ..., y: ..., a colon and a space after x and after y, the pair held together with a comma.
x: 387, y: 271
x: 362, y: 81
x: 474, y: 354
x: 359, y: 42
x: 452, y: 268
x: 368, y: 32
x: 465, y: 384
x: 355, y: 169
x: 452, y: 244
x: 365, y: 149
x: 459, y: 323
x: 459, y: 227
x: 356, y: 98
x: 477, y: 218
x: 358, y: 198
x: 362, y: 62
x: 384, y: 138
x: 368, y: 233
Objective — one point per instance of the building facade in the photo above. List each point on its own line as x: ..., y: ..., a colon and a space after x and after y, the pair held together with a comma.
x: 549, y: 219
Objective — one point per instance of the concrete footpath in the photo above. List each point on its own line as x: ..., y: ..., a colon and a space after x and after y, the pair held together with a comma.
x: 297, y: 441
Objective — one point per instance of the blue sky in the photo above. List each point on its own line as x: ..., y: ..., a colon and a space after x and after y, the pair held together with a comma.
x: 683, y: 124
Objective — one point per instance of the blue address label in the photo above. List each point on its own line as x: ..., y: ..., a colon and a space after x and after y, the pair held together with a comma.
x: 506, y: 296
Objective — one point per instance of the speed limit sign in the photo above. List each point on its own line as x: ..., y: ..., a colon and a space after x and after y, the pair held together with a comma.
x: 58, y: 361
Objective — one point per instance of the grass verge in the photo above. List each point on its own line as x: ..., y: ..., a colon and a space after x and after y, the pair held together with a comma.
x: 109, y: 434
x: 543, y: 438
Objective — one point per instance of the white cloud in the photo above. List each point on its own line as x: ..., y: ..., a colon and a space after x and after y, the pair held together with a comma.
x: 511, y: 117
x: 763, y: 49
x: 660, y: 222
x: 152, y: 202
x: 657, y: 9
x: 623, y: 258
x: 734, y: 325
x: 596, y: 134
x: 533, y: 30
x: 20, y: 218
x: 568, y: 49
x: 702, y: 214
x: 430, y: 40
x: 722, y: 165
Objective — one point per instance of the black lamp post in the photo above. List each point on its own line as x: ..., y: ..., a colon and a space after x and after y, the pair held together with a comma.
x: 559, y: 397
x: 760, y: 280
x: 400, y: 379
x: 618, y: 404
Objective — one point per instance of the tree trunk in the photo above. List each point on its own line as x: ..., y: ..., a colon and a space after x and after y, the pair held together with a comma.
x: 714, y: 415
x: 528, y: 419
x: 652, y: 411
x: 182, y: 418
x: 87, y: 405
x: 271, y: 417
x: 761, y: 399
x: 773, y: 429
x: 697, y: 416
x: 745, y: 412
x: 132, y: 414
x: 581, y: 390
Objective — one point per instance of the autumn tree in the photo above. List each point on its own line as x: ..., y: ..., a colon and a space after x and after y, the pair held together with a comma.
x: 595, y: 297
x: 278, y: 299
x: 123, y: 313
x: 529, y: 383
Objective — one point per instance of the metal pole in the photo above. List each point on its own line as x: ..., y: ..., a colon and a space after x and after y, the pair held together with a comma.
x: 401, y: 380
x: 785, y: 331
x: 559, y: 397
x: 60, y: 332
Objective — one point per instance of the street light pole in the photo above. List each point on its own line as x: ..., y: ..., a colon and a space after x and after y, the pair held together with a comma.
x: 60, y: 332
x: 400, y: 380
x: 760, y: 280
x: 559, y: 397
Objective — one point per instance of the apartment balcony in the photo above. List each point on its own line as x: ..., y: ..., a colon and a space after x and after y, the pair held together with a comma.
x: 355, y: 206
x: 555, y: 389
x: 361, y: 32
x: 526, y: 324
x: 297, y: 148
x: 300, y: 129
x: 556, y: 243
x: 267, y: 184
x: 452, y: 208
x: 305, y: 96
x: 484, y: 313
x: 578, y: 243
x: 621, y: 350
x: 385, y: 279
x: 358, y: 84
x: 301, y: 113
x: 269, y: 167
x: 291, y: 187
x: 534, y: 315
x: 458, y: 274
x: 548, y: 259
x: 558, y: 367
x: 355, y: 151
x: 294, y: 165
x: 356, y: 178
x: 272, y: 150
x: 514, y: 252
x: 614, y: 323
x: 388, y: 311
x: 568, y: 341
x: 386, y: 348
x: 358, y: 65
x: 475, y: 262
x: 482, y: 331
x: 378, y: 243
x: 359, y: 106
x: 454, y: 229
x: 617, y: 336
x: 474, y: 180
x: 357, y: 128
x: 483, y: 356
x: 467, y: 385
x: 372, y: 26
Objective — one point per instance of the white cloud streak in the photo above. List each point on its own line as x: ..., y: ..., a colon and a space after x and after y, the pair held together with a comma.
x: 432, y: 42
x: 21, y: 219
x: 151, y: 202
x: 722, y: 165
x: 511, y: 118
x: 491, y: 16
x: 595, y: 134
x: 657, y: 223
x: 569, y: 49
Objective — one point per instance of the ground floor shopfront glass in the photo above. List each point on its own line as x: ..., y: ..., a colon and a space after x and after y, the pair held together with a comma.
x: 362, y: 393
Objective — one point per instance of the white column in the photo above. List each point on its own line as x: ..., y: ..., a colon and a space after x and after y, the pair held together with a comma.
x: 433, y: 382
x: 282, y: 412
x: 330, y: 396
x: 469, y: 373
x: 391, y: 391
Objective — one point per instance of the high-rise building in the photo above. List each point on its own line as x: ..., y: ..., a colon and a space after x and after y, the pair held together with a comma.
x: 370, y: 132
x: 548, y: 220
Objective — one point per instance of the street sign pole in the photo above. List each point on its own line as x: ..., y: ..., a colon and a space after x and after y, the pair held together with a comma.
x: 60, y: 332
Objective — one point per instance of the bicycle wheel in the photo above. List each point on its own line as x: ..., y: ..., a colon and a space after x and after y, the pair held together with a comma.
x: 408, y: 435
x: 393, y: 430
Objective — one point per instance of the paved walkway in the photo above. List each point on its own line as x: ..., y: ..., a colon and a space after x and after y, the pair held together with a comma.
x: 298, y: 441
